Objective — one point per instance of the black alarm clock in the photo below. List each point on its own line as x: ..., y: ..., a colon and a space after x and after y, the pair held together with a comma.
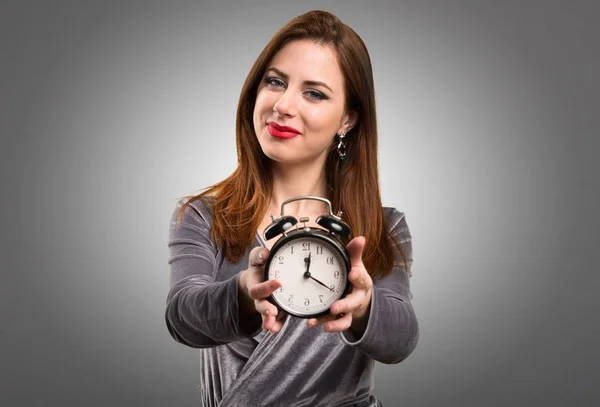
x: 311, y: 263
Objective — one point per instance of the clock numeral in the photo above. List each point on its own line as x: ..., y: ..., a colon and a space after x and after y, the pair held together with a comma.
x: 321, y: 297
x: 331, y: 288
x: 336, y: 274
x: 291, y: 299
x: 280, y: 258
x: 276, y: 273
x: 330, y: 260
x: 305, y: 246
x: 319, y: 249
x: 279, y: 290
x: 306, y: 301
x: 292, y: 250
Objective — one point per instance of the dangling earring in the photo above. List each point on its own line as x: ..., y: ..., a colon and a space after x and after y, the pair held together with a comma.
x: 341, y: 147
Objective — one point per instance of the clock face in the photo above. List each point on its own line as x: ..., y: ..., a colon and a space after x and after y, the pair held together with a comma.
x: 313, y: 274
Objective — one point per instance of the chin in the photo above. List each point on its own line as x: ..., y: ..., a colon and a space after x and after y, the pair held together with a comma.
x: 289, y: 159
x: 274, y: 149
x: 278, y: 157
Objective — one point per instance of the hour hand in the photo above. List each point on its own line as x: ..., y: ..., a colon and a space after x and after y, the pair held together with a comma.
x: 307, y: 273
x: 307, y: 261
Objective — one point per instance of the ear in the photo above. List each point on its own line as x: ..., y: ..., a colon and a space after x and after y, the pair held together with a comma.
x: 348, y: 122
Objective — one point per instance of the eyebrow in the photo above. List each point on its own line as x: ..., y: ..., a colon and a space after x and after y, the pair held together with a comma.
x: 310, y: 83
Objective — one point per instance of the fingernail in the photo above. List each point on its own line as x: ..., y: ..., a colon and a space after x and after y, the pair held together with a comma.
x: 260, y: 255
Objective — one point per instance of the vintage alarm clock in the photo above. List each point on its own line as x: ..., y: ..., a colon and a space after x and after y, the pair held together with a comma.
x: 311, y: 263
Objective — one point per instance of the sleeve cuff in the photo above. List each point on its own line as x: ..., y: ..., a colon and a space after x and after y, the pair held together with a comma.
x: 366, y: 339
x: 255, y: 322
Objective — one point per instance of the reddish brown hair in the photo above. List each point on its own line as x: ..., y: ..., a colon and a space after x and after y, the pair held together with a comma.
x: 242, y: 199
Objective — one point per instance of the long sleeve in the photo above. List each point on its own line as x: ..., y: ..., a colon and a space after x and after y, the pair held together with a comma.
x: 201, y: 311
x: 392, y: 330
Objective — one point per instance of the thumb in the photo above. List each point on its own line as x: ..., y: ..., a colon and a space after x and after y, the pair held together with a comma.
x: 355, y: 250
x: 257, y: 256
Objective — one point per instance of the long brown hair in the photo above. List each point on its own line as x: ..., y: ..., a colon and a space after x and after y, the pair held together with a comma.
x: 242, y: 199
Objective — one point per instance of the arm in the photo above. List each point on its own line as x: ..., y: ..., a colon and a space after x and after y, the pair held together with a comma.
x: 200, y: 311
x: 391, y: 332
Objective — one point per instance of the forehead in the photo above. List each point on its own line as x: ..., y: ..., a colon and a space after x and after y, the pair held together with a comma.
x: 305, y: 60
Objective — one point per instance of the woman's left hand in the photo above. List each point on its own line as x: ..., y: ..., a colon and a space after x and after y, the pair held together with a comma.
x: 351, y: 311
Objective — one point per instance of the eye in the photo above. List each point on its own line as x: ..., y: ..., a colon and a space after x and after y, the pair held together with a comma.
x: 274, y: 82
x: 315, y: 95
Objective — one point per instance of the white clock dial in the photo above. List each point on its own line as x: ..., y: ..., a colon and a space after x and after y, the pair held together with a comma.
x: 312, y: 273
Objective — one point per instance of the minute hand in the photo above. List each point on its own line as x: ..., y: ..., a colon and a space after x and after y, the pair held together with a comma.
x: 307, y: 272
x: 319, y: 282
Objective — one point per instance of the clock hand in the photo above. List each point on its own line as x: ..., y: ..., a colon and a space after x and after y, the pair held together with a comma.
x: 307, y: 263
x: 307, y: 274
x: 320, y: 283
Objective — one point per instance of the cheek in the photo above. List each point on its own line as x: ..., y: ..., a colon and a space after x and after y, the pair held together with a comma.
x: 260, y: 114
x: 264, y: 101
x: 257, y: 107
x: 323, y: 120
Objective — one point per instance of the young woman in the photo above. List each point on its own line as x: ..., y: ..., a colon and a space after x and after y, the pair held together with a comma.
x: 306, y: 126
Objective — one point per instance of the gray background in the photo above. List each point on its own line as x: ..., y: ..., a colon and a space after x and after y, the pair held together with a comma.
x: 488, y: 114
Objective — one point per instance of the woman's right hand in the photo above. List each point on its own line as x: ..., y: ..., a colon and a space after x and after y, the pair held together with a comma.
x: 256, y: 290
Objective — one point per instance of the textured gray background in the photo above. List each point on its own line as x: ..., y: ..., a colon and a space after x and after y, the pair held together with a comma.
x: 488, y: 113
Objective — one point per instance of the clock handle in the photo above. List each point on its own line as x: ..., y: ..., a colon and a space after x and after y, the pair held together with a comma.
x: 331, y: 222
x: 315, y: 198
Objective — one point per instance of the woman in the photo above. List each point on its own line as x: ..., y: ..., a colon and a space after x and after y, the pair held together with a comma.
x: 306, y: 125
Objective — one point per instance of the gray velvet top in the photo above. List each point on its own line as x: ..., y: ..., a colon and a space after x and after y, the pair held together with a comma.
x: 298, y: 366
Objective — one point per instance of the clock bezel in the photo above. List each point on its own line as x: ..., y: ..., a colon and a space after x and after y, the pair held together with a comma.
x: 314, y: 233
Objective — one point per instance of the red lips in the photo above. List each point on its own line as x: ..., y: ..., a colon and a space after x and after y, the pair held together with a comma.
x: 283, y: 128
x: 279, y: 131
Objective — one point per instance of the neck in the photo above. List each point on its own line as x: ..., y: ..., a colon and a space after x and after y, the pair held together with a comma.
x: 291, y: 181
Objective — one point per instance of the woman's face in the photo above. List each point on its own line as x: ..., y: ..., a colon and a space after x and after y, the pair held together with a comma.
x: 303, y: 90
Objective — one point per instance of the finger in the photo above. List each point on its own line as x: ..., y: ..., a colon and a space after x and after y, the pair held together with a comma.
x: 349, y: 303
x: 264, y: 289
x: 360, y: 278
x: 268, y: 322
x: 257, y: 256
x: 312, y: 322
x: 265, y: 308
x: 340, y: 324
x: 273, y: 324
x: 355, y: 250
x: 276, y: 326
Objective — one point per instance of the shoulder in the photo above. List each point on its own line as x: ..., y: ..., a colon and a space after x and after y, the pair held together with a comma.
x: 398, y: 230
x: 190, y: 225
x: 395, y: 221
x: 196, y: 211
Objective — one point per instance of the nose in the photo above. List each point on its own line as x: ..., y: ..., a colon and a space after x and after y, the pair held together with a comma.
x: 285, y: 105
